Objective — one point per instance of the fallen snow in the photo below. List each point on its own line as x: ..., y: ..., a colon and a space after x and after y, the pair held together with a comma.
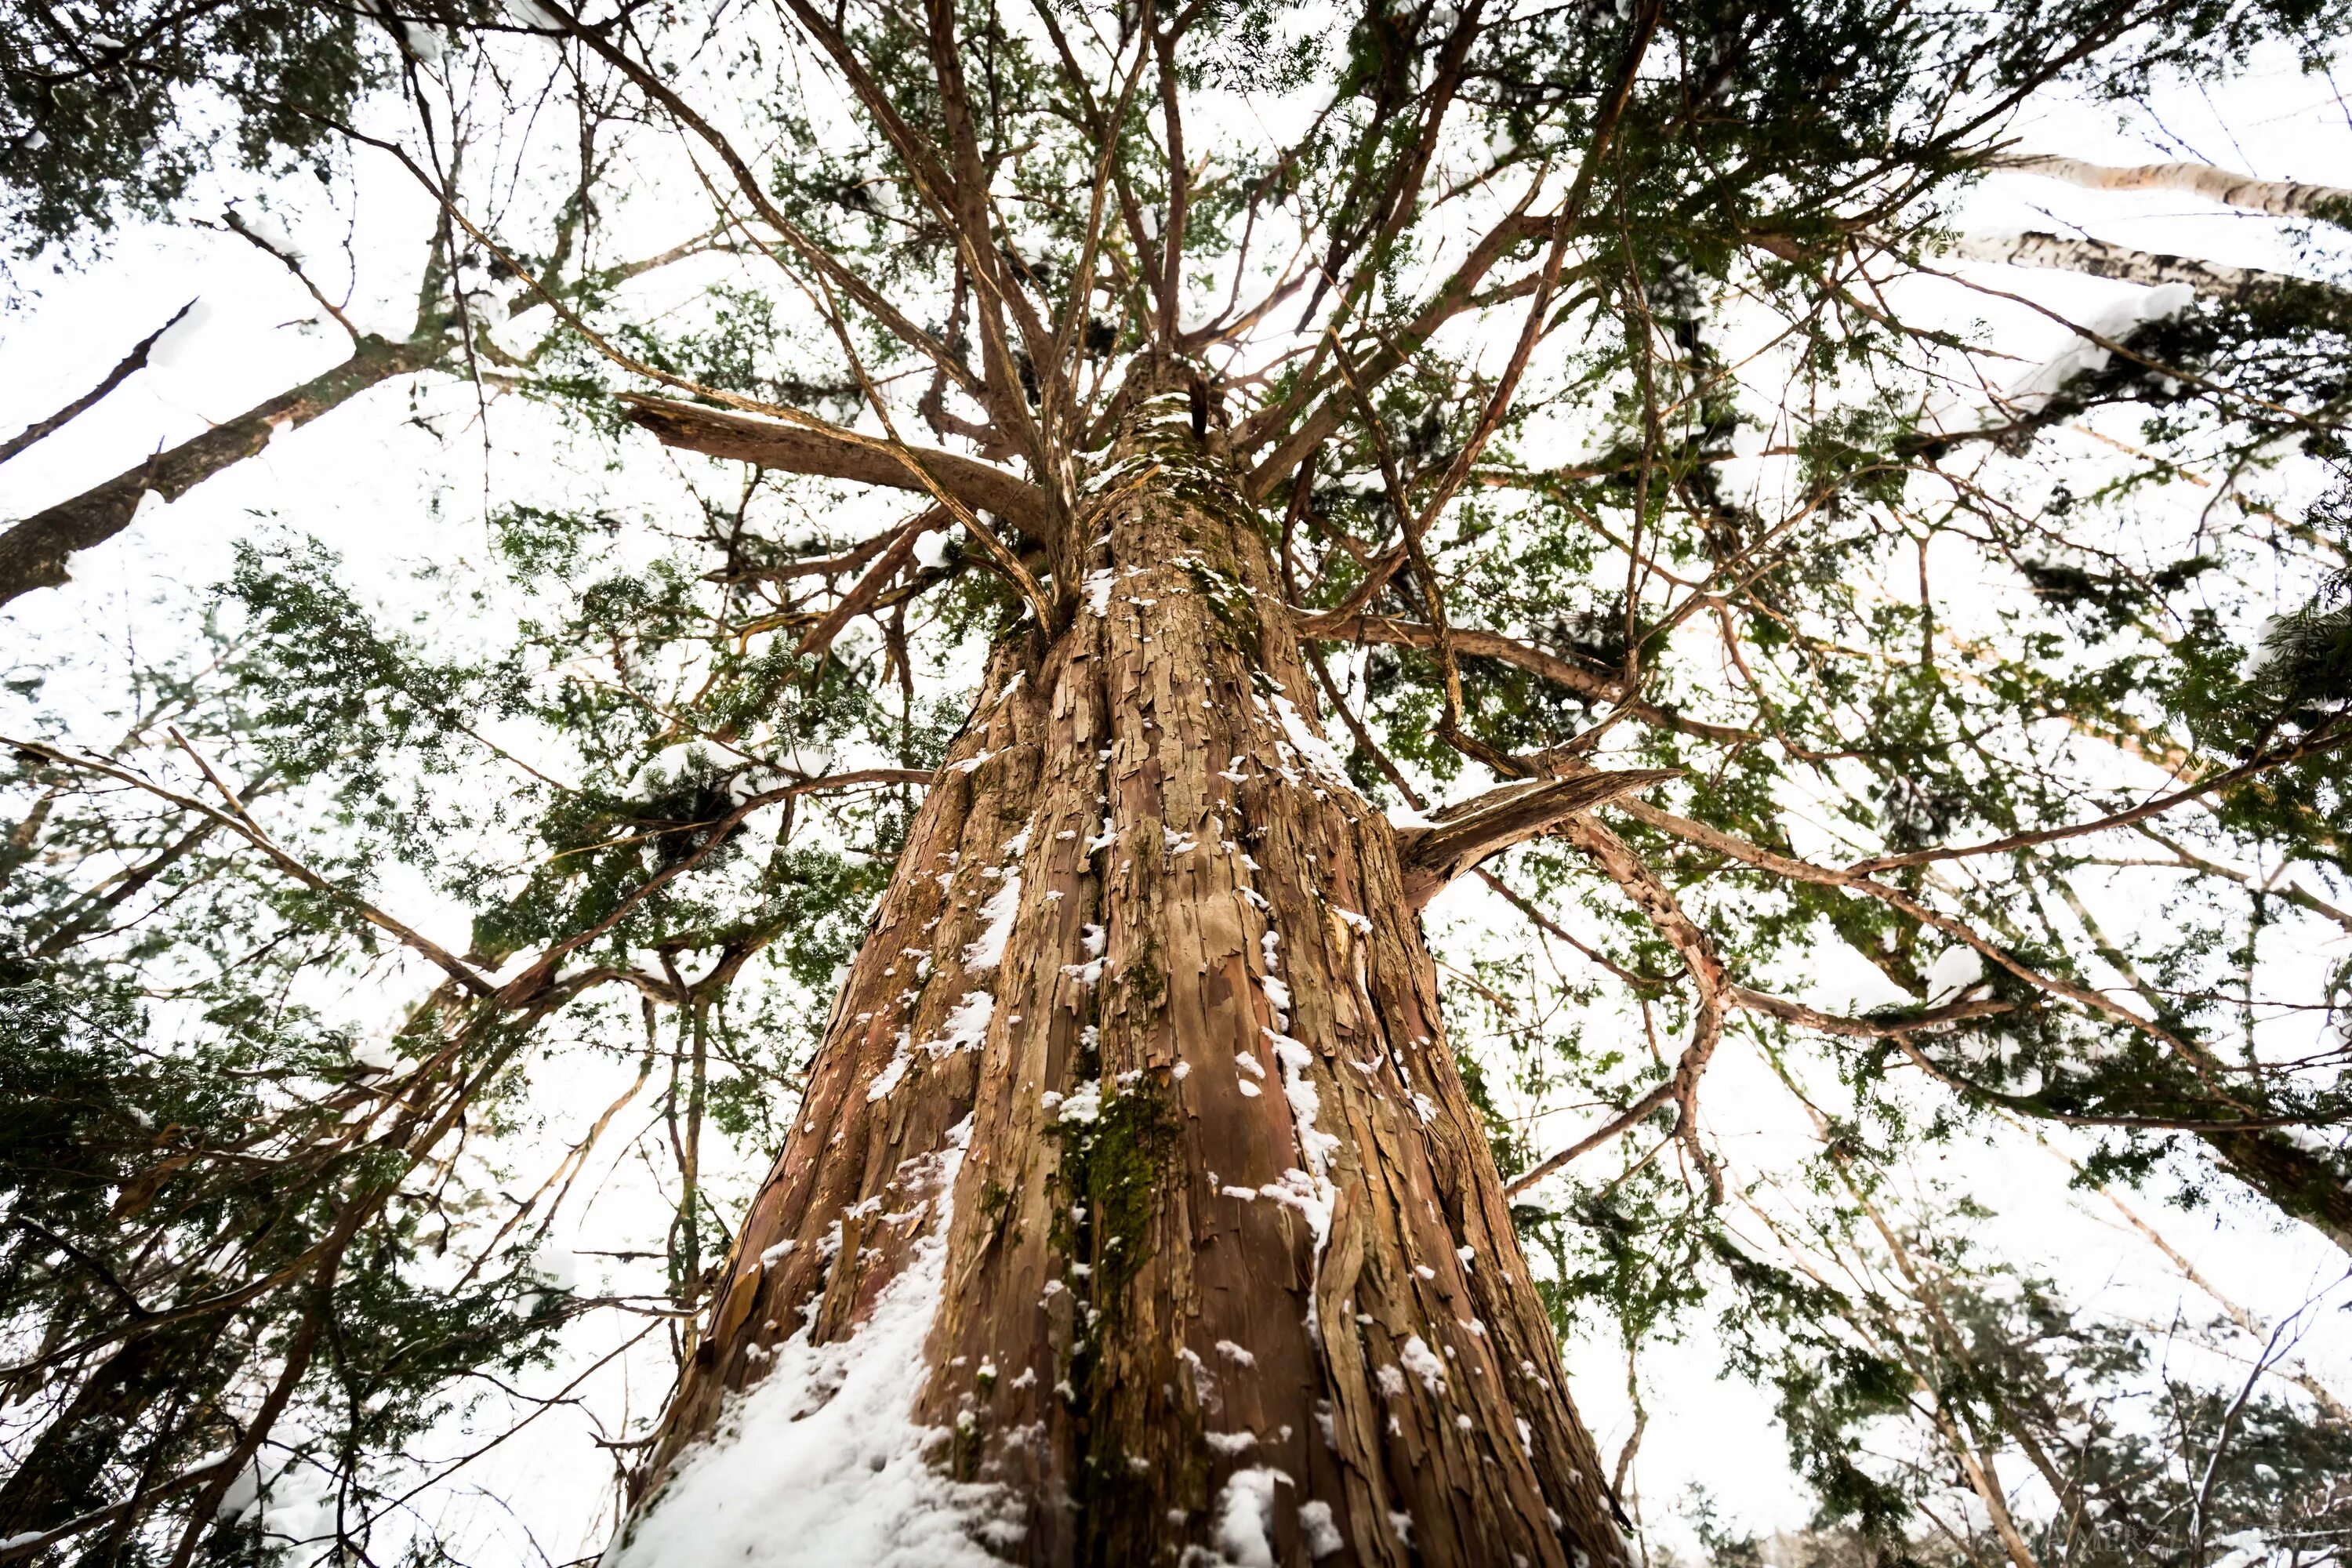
x: 1323, y: 1537
x: 961, y: 1030
x: 822, y: 1462
x: 1422, y: 1362
x: 1084, y: 1106
x: 2083, y: 356
x: 1312, y: 747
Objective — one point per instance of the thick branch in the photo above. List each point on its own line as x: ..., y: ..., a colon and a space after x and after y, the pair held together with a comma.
x: 800, y: 450
x: 2098, y: 258
x: 869, y: 588
x: 1430, y: 858
x: 2280, y: 198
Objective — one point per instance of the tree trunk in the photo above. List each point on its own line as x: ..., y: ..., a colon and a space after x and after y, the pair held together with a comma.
x: 1135, y: 1211
x: 2281, y: 198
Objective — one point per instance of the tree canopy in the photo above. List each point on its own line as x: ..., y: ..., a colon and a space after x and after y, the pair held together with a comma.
x: 403, y: 981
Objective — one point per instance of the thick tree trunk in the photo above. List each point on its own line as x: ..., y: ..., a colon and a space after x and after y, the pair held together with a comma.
x: 1135, y: 1213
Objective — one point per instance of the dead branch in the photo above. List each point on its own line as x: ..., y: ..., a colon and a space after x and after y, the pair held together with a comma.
x: 803, y: 450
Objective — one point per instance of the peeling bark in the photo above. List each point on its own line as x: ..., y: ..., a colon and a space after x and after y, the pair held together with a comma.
x: 1225, y: 1209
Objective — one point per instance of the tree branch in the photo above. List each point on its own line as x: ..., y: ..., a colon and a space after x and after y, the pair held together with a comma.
x: 240, y: 823
x: 2280, y: 198
x: 131, y: 362
x: 34, y: 553
x: 1361, y: 628
x: 2098, y: 258
x: 803, y: 450
x: 1466, y: 833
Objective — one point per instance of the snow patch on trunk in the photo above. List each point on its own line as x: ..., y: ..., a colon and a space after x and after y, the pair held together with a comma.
x: 822, y: 1462
x: 987, y: 949
x: 1245, y: 1518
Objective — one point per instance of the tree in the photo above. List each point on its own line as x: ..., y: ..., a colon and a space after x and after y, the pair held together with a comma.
x: 1131, y: 1200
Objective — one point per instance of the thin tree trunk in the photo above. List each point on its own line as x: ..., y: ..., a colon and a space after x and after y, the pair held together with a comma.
x: 34, y: 553
x: 1139, y: 1089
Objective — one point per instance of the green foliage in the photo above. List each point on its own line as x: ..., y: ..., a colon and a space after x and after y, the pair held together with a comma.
x: 112, y: 110
x: 611, y: 756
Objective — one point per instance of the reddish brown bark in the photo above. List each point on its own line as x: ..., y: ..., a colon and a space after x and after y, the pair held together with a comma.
x: 1280, y: 1241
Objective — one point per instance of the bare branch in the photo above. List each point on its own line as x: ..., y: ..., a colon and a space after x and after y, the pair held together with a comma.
x: 131, y: 362
x: 2323, y: 739
x: 807, y: 449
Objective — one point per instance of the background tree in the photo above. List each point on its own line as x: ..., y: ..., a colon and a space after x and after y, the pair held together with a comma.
x: 1130, y: 1197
